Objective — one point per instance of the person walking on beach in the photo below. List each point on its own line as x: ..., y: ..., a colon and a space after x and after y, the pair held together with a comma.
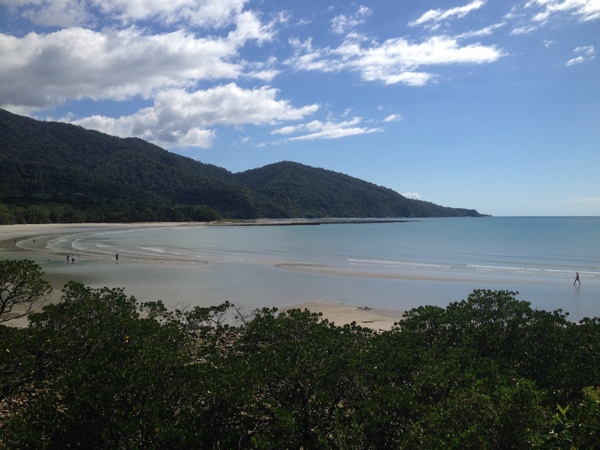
x: 117, y: 258
x: 577, y: 280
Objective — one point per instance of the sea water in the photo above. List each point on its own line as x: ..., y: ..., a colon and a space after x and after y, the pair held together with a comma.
x: 397, y: 265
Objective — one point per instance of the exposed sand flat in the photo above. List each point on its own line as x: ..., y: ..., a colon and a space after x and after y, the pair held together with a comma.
x: 341, y: 314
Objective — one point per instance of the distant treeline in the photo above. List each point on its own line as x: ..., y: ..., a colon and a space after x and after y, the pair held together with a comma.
x: 117, y: 212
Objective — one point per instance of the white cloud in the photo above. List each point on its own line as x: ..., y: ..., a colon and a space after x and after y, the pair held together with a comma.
x: 179, y: 118
x: 486, y: 31
x: 342, y: 24
x: 393, y: 118
x: 325, y: 130
x: 214, y: 13
x: 587, y: 52
x: 413, y: 195
x: 204, y: 13
x: 577, y: 60
x: 523, y: 30
x: 77, y: 63
x: 60, y: 13
x: 394, y: 61
x: 249, y: 27
x: 583, y: 9
x: 438, y: 15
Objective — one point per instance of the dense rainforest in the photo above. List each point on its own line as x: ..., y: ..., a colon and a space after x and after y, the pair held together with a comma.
x: 101, y: 370
x: 58, y: 173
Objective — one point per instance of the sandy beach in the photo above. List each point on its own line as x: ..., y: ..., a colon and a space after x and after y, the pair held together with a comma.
x: 29, y: 241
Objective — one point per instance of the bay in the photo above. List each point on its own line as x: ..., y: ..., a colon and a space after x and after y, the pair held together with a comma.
x: 397, y: 265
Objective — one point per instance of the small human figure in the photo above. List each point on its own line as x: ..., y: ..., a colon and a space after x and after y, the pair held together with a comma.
x: 67, y: 258
x: 577, y: 280
x: 117, y: 258
x: 73, y: 259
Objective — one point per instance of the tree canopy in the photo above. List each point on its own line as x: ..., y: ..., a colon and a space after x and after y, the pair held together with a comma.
x: 21, y: 284
x: 101, y: 370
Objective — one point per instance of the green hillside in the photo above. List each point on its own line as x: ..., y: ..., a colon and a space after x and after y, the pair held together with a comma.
x: 296, y: 190
x: 57, y: 172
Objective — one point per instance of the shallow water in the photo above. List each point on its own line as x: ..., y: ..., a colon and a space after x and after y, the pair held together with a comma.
x: 382, y: 265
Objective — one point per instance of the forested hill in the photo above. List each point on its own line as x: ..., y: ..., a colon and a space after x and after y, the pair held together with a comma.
x: 57, y: 172
x: 292, y: 189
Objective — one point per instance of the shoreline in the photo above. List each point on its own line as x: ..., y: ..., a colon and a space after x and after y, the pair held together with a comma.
x: 29, y: 241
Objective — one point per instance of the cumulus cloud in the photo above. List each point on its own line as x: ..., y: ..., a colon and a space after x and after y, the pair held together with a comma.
x: 213, y: 13
x: 76, y: 63
x: 438, y: 15
x: 179, y: 118
x: 62, y: 13
x: 583, y: 9
x: 208, y: 13
x: 325, y: 130
x: 394, y: 61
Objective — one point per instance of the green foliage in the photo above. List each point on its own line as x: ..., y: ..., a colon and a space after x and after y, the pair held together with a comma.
x: 101, y: 364
x: 577, y: 426
x: 21, y: 284
x: 100, y: 370
x: 295, y: 190
x: 307, y: 379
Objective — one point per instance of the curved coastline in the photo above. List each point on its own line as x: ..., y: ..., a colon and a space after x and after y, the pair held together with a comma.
x: 209, y: 276
x: 31, y: 241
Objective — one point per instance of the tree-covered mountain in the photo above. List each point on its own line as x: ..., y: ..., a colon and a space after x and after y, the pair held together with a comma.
x: 296, y: 190
x: 57, y: 172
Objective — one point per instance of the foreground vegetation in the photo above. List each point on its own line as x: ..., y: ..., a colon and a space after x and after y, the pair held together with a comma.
x: 101, y: 370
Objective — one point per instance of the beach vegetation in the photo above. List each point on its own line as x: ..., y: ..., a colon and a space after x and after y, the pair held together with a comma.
x: 100, y: 369
x: 21, y: 285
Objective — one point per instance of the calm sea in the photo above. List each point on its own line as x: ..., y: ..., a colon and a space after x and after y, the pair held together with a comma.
x: 383, y: 265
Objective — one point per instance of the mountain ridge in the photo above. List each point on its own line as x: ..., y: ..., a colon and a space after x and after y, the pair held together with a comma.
x: 58, y: 172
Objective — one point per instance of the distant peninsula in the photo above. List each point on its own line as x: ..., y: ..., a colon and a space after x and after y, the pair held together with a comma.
x: 55, y: 172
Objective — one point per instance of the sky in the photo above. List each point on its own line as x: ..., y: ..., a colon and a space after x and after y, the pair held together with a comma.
x: 482, y: 104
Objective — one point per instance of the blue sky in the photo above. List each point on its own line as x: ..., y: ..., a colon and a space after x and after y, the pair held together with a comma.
x: 492, y: 105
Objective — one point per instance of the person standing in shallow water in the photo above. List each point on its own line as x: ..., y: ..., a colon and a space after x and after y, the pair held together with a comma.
x: 577, y: 280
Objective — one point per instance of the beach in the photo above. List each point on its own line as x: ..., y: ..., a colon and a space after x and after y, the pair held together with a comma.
x: 363, y: 271
x: 30, y: 242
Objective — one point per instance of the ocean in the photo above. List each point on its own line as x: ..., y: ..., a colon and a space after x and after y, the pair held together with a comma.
x: 392, y: 266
